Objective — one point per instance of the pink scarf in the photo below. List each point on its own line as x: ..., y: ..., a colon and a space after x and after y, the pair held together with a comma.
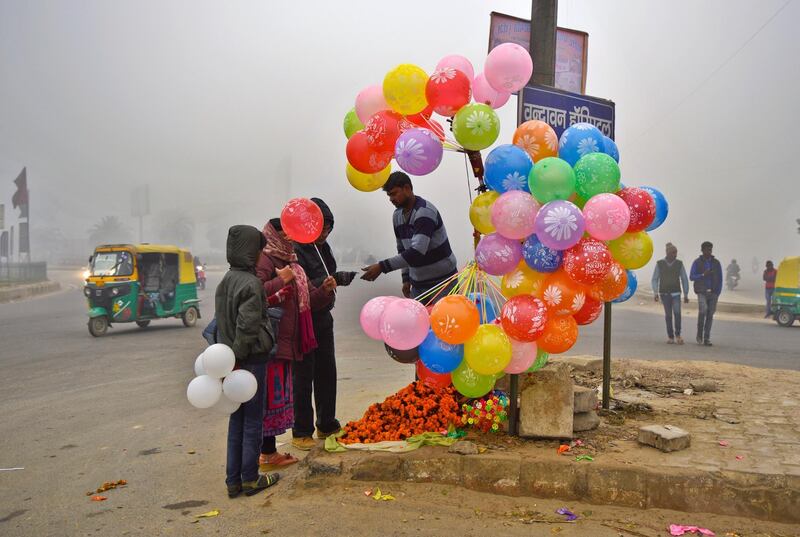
x: 282, y: 249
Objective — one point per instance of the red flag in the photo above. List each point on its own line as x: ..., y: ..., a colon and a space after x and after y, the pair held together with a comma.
x: 20, y: 197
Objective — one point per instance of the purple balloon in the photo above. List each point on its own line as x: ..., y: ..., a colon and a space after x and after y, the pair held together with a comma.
x: 418, y: 151
x: 498, y: 255
x: 560, y: 225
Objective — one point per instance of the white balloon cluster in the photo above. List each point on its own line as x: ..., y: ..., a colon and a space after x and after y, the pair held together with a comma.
x: 217, y: 385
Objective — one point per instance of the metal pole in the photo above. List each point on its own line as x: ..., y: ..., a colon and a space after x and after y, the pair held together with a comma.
x: 606, y: 355
x: 141, y: 218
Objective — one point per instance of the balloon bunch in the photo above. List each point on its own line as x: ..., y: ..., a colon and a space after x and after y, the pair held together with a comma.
x: 394, y: 120
x: 217, y: 385
x: 486, y: 414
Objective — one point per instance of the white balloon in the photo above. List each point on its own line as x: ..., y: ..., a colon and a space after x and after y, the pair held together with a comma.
x: 240, y: 386
x: 225, y: 406
x: 218, y: 360
x: 198, y: 366
x: 204, y: 391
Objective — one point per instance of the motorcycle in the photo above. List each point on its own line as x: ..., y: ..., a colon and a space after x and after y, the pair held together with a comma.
x: 200, y: 274
x: 731, y: 281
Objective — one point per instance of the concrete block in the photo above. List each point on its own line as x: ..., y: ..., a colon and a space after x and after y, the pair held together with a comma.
x: 617, y: 486
x: 547, y: 403
x: 378, y: 468
x: 704, y: 385
x: 428, y: 468
x: 464, y: 447
x: 585, y: 421
x: 498, y: 474
x: 664, y: 437
x: 580, y: 363
x: 553, y: 479
x: 585, y: 399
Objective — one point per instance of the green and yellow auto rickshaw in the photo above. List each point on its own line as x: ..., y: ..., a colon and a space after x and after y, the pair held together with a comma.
x: 786, y: 299
x: 138, y: 283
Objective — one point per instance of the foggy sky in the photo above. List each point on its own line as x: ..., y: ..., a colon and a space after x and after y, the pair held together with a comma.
x: 227, y: 109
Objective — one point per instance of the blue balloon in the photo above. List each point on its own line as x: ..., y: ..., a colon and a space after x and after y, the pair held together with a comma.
x: 540, y: 257
x: 633, y: 283
x: 507, y: 168
x: 579, y: 140
x: 438, y: 356
x: 486, y: 307
x: 610, y: 148
x: 662, y: 207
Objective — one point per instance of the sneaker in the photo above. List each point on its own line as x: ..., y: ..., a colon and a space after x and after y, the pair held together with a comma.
x: 322, y: 436
x: 234, y: 490
x: 699, y: 340
x: 707, y: 343
x: 264, y: 481
x: 679, y: 340
x: 304, y: 443
x: 670, y: 341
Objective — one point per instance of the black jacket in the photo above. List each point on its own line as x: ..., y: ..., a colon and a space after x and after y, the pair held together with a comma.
x: 241, y: 313
x: 309, y: 259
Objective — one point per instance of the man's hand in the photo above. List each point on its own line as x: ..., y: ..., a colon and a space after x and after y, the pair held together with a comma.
x: 371, y: 272
x: 686, y: 300
x: 407, y: 289
x: 707, y: 273
x: 329, y: 284
x: 286, y: 274
x: 655, y: 298
x: 344, y: 279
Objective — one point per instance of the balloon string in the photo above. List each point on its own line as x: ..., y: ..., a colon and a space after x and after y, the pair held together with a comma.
x: 469, y: 187
x: 323, y: 263
x: 447, y: 139
x: 437, y: 289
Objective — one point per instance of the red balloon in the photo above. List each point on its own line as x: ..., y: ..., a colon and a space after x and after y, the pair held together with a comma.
x: 427, y: 113
x: 417, y: 121
x: 588, y: 261
x: 301, y: 219
x: 642, y: 206
x: 383, y: 130
x: 431, y: 379
x: 448, y: 90
x: 590, y: 311
x: 362, y: 157
x: 523, y: 317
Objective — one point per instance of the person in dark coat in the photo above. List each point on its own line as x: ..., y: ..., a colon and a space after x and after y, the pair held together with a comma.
x: 706, y: 274
x: 316, y: 374
x: 242, y: 325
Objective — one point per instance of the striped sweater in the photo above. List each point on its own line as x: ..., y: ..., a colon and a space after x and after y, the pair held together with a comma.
x: 423, y: 250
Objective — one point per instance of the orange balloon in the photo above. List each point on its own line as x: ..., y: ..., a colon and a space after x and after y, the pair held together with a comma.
x: 537, y: 138
x: 611, y: 286
x: 523, y: 280
x: 455, y: 319
x: 560, y: 334
x: 562, y: 294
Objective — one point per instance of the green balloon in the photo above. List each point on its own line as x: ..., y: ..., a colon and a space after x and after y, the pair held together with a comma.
x: 551, y: 179
x: 541, y: 360
x: 469, y: 383
x: 351, y: 123
x: 596, y: 173
x: 476, y: 126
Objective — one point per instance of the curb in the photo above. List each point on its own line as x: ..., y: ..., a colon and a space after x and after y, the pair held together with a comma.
x: 723, y: 307
x: 772, y: 497
x: 22, y: 292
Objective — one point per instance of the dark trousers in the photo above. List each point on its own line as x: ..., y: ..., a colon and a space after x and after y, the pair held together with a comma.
x: 672, y: 309
x: 315, y: 376
x: 244, y: 433
x: 707, y: 305
x: 769, y: 293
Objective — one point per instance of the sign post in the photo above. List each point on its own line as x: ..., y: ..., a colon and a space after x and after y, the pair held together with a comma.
x: 562, y: 109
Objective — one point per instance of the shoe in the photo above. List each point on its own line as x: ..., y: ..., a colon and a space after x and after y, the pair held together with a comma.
x: 699, y: 340
x: 234, y: 490
x: 264, y: 481
x: 304, y: 443
x: 707, y: 343
x: 679, y: 340
x: 275, y: 461
x: 323, y: 436
x: 670, y: 341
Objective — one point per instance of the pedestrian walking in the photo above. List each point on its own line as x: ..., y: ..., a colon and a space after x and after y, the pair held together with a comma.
x: 706, y: 274
x: 242, y: 324
x: 669, y: 277
x: 769, y: 286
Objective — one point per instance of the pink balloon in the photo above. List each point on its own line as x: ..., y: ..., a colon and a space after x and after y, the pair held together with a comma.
x: 404, y: 324
x: 607, y: 216
x: 370, y: 101
x: 522, y: 357
x: 371, y: 315
x: 459, y: 63
x: 514, y: 214
x: 498, y: 255
x: 482, y: 92
x: 508, y: 67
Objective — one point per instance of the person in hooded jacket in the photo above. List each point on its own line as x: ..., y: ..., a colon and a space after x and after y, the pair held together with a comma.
x: 276, y: 269
x: 316, y: 373
x: 242, y: 324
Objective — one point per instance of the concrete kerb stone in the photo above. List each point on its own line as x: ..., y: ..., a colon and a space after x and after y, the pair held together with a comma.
x: 22, y: 292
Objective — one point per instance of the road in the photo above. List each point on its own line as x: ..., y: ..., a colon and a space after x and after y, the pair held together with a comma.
x: 78, y: 411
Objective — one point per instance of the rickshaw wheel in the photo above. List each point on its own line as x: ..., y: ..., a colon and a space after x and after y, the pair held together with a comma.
x: 142, y: 324
x: 785, y: 318
x: 190, y: 316
x: 98, y: 326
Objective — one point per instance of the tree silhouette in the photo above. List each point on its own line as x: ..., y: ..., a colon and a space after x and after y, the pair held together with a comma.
x: 175, y: 228
x: 109, y: 230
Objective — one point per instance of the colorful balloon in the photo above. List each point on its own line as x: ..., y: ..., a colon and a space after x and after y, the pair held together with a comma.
x: 404, y: 89
x: 662, y: 207
x: 590, y: 311
x: 363, y: 157
x: 351, y: 123
x: 559, y: 225
x: 541, y: 361
x: 523, y: 354
x: 514, y: 214
x: 596, y: 173
x: 507, y: 168
x: 448, y: 90
x: 369, y: 102
x: 630, y: 288
x: 383, y: 130
x: 371, y: 314
x: 580, y: 140
x: 476, y: 127
x: 562, y: 295
x: 632, y: 250
x: 497, y: 255
x: 522, y: 281
x: 454, y: 319
x: 523, y: 318
x: 409, y: 356
x: 418, y: 151
x: 470, y: 383
x: 588, y: 261
x: 438, y: 356
x: 612, y: 286
x: 459, y: 63
x: 301, y: 220
x: 560, y: 334
x: 607, y: 217
x: 539, y: 257
x: 404, y: 324
x: 551, y: 179
x: 480, y: 212
x: 430, y: 379
x: 489, y: 351
x: 482, y: 92
x: 537, y: 139
x: 641, y: 205
x: 508, y: 67
x: 367, y: 182
x: 610, y: 148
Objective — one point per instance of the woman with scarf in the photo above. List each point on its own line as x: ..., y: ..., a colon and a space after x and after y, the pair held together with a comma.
x: 278, y: 269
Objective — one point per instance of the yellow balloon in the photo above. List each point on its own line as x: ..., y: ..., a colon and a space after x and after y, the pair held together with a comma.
x: 480, y: 212
x: 489, y: 350
x: 367, y: 182
x: 404, y: 89
x: 632, y: 250
x: 523, y: 280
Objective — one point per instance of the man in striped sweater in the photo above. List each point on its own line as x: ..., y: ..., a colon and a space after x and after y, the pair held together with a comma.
x: 423, y: 251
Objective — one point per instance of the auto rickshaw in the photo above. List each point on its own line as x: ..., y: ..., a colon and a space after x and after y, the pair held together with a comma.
x: 786, y: 299
x: 139, y: 283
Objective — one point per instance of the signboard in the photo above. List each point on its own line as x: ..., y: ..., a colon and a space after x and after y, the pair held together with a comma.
x: 24, y: 239
x: 140, y: 201
x: 562, y: 109
x: 2, y: 216
x: 571, y: 48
